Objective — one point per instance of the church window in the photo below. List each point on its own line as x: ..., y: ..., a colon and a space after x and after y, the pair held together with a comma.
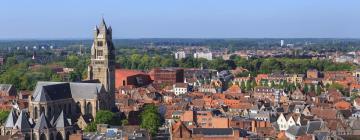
x: 35, y: 112
x: 100, y: 43
x: 99, y: 53
x: 42, y: 110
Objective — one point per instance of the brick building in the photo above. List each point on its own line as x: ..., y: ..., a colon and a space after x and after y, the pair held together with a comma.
x: 168, y: 76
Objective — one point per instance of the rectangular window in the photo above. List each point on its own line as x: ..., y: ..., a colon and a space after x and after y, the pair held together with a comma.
x: 100, y: 43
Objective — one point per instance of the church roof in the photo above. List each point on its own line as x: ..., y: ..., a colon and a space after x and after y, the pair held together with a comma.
x: 11, y: 119
x: 85, y: 90
x: 47, y: 91
x: 22, y: 121
x: 61, y: 121
x: 42, y: 123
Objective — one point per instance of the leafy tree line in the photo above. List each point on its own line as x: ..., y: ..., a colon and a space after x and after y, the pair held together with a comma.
x: 24, y: 78
x: 254, y: 65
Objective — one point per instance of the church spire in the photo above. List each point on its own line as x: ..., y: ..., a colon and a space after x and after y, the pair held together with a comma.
x: 102, y: 23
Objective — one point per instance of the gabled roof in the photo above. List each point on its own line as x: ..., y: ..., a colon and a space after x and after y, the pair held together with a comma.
x: 47, y: 91
x: 61, y: 121
x: 11, y: 119
x: 42, y: 123
x: 22, y: 121
x: 85, y: 90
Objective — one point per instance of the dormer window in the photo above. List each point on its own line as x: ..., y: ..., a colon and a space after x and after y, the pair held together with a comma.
x: 100, y: 43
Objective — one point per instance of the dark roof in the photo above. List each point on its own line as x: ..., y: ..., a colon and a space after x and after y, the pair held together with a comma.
x: 296, y: 130
x: 61, y: 121
x: 42, y: 123
x: 313, y: 126
x: 48, y: 91
x: 213, y: 131
x: 22, y: 121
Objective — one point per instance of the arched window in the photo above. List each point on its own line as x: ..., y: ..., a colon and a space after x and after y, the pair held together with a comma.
x: 36, y: 112
x: 42, y: 136
x: 89, y: 108
x: 42, y: 110
x: 78, y: 108
x: 49, y: 112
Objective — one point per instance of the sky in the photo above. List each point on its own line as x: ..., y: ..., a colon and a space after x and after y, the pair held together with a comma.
x: 75, y: 19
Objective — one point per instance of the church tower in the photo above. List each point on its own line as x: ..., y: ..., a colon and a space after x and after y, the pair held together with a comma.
x: 102, y: 65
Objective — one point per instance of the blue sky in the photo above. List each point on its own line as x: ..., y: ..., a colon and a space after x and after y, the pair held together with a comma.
x: 66, y: 19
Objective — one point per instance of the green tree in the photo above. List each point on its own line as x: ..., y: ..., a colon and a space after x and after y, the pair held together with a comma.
x: 242, y: 86
x: 3, y: 116
x: 102, y: 117
x: 150, y: 119
x: 306, y: 88
x: 248, y: 85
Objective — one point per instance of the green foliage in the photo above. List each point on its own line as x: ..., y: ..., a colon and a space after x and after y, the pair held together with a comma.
x: 3, y: 116
x: 242, y: 86
x: 91, y: 127
x: 150, y: 119
x: 80, y: 64
x: 124, y: 122
x: 102, y: 117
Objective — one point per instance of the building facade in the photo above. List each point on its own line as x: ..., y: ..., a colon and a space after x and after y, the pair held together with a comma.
x: 102, y: 65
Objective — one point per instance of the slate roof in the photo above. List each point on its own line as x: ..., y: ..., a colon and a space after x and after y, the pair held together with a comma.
x: 22, y: 121
x: 85, y: 90
x: 42, y: 123
x: 213, y: 131
x: 11, y: 119
x: 296, y: 130
x: 48, y: 91
x: 61, y: 121
x: 313, y: 126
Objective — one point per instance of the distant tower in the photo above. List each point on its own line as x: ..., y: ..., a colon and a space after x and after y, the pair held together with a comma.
x: 282, y: 43
x: 102, y: 65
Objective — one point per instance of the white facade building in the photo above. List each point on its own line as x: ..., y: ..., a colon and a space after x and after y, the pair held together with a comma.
x: 180, y: 55
x: 180, y: 88
x: 206, y: 55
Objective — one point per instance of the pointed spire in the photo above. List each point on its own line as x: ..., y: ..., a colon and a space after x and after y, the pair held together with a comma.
x: 42, y: 123
x: 61, y: 121
x: 11, y: 119
x: 22, y: 121
x: 102, y: 23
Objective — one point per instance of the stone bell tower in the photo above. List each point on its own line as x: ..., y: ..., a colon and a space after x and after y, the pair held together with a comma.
x: 102, y: 65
